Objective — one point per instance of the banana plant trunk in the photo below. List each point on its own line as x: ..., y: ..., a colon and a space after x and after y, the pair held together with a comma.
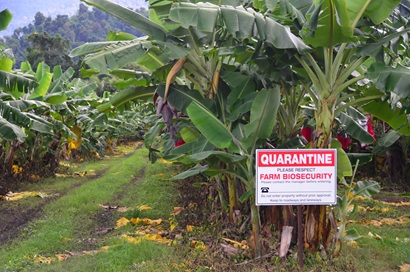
x: 317, y: 228
x: 232, y: 198
x: 256, y: 230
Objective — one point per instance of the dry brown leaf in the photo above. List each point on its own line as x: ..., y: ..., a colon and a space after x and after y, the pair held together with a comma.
x: 144, y: 208
x: 136, y: 221
x: 150, y: 222
x: 230, y: 250
x: 189, y: 228
x: 42, y: 259
x: 108, y: 207
x: 353, y: 244
x: 397, y: 204
x: 404, y: 268
x: 386, y: 221
x: 121, y: 222
x: 242, y: 244
x: 62, y: 257
x: 17, y: 196
x: 177, y: 210
x: 130, y: 239
x: 156, y: 238
x: 122, y: 209
x: 198, y: 244
x: 61, y: 175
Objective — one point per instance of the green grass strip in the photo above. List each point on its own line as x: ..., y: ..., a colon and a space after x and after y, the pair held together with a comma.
x: 70, y: 219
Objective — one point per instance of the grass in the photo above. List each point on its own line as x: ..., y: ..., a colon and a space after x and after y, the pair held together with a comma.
x: 385, y: 231
x: 66, y: 222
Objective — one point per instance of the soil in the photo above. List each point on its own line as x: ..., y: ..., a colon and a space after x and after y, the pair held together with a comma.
x: 13, y: 220
x: 390, y: 198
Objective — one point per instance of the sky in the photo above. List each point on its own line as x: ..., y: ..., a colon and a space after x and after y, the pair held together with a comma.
x: 24, y: 10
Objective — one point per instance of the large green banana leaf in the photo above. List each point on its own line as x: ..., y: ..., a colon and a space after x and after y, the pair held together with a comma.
x: 12, y: 81
x: 366, y: 188
x: 198, y: 169
x: 239, y: 22
x: 354, y: 129
x: 39, y: 124
x: 10, y: 131
x: 198, y: 146
x: 220, y: 155
x: 394, y: 118
x: 263, y: 115
x: 128, y: 94
x: 391, y: 79
x: 105, y: 56
x: 5, y: 18
x: 210, y: 126
x: 135, y: 19
x: 241, y: 86
x: 43, y: 85
x: 13, y: 115
x: 25, y: 105
x: 333, y: 22
x: 59, y: 79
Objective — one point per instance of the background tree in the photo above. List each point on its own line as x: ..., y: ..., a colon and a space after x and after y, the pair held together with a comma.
x: 84, y: 26
x: 51, y: 50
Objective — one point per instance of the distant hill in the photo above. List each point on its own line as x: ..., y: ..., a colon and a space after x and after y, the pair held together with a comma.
x: 24, y: 10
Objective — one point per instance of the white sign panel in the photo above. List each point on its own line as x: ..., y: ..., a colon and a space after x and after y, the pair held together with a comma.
x: 296, y: 177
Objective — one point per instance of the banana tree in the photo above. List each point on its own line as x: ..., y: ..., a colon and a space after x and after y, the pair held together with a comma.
x: 197, y: 44
x: 333, y: 70
x: 198, y: 51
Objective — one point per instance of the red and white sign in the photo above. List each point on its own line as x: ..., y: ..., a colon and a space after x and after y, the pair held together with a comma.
x: 296, y: 176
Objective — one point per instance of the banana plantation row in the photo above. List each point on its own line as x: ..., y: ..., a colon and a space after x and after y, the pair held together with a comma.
x: 227, y: 77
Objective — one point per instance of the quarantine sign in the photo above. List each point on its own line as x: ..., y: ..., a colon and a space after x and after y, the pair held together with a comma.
x: 296, y: 177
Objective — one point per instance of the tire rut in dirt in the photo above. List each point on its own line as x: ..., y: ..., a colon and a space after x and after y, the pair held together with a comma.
x: 14, y: 220
x: 106, y: 218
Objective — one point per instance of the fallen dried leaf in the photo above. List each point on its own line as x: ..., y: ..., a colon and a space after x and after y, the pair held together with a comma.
x: 198, y: 244
x: 147, y: 221
x: 136, y: 221
x: 353, y: 244
x: 404, y: 268
x: 121, y: 222
x: 62, y: 257
x: 189, y: 228
x: 42, y: 259
x: 109, y: 207
x: 144, y: 208
x: 177, y: 210
x: 242, y: 244
x: 230, y: 250
x: 17, y: 196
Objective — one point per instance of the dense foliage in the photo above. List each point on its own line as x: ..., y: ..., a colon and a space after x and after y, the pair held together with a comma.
x: 232, y: 77
x: 48, y: 114
x: 241, y: 76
